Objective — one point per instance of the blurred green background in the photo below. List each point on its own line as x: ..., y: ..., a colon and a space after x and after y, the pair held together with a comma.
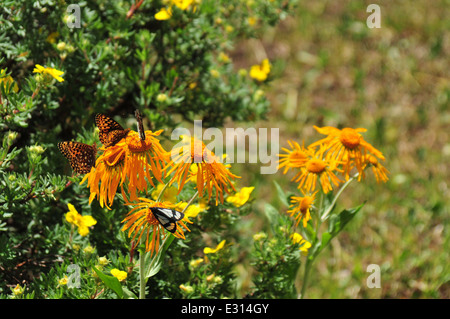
x: 394, y: 81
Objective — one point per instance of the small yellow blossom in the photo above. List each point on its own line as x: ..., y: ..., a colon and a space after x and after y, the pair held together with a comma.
x: 52, y: 37
x: 163, y: 14
x: 89, y: 250
x: 182, y: 4
x: 223, y: 57
x: 51, y: 71
x: 186, y: 288
x: 63, y: 281
x: 192, y: 211
x: 260, y: 72
x: 196, y: 262
x: 214, y: 73
x: 18, y: 290
x: 305, y: 245
x: 119, y: 274
x: 169, y: 195
x: 61, y: 46
x: 103, y: 261
x: 208, y: 250
x: 252, y: 21
x: 82, y: 222
x: 241, y: 197
x: 161, y: 97
x: 259, y: 236
x: 8, y: 81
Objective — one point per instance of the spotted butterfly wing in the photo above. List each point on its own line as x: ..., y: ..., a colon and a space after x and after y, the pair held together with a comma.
x: 110, y: 132
x: 81, y: 156
x: 167, y: 217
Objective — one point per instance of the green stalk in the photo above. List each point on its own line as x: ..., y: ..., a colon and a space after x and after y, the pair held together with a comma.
x: 330, y: 208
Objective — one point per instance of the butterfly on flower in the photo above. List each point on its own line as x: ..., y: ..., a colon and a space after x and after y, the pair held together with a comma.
x: 140, y: 126
x: 167, y: 217
x: 110, y: 132
x: 81, y: 156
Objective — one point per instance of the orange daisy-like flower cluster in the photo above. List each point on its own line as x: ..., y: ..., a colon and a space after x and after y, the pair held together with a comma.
x: 133, y: 160
x: 341, y: 152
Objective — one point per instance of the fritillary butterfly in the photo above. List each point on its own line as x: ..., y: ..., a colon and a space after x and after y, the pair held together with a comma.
x: 81, y: 156
x: 110, y: 132
x: 140, y: 126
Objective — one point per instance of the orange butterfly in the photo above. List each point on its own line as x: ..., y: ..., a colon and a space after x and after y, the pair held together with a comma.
x: 81, y: 156
x: 111, y: 132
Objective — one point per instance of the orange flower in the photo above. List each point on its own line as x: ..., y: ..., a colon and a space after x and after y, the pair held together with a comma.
x: 300, y: 207
x: 319, y: 169
x: 131, y: 160
x: 211, y: 173
x: 378, y: 170
x: 141, y: 221
x: 347, y: 144
x: 295, y: 158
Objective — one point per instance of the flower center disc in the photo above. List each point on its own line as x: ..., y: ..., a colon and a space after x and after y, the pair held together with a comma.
x: 350, y: 138
x: 315, y: 166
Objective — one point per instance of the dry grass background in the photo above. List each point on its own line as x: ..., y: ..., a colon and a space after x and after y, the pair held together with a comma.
x: 332, y: 70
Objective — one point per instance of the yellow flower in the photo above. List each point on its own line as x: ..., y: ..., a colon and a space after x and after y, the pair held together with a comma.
x: 223, y: 57
x: 252, y: 21
x: 18, y: 290
x: 192, y: 211
x: 63, y: 281
x: 208, y: 250
x: 196, y: 262
x: 141, y: 221
x: 260, y: 72
x: 119, y: 274
x: 295, y: 158
x: 259, y: 236
x: 347, y: 144
x: 163, y: 14
x: 51, y: 71
x: 187, y: 289
x: 318, y: 169
x: 8, y: 81
x: 52, y: 37
x: 103, y: 261
x: 300, y: 207
x: 304, y: 244
x: 82, y: 222
x: 211, y: 173
x: 169, y: 195
x: 88, y: 250
x: 182, y: 4
x: 241, y: 197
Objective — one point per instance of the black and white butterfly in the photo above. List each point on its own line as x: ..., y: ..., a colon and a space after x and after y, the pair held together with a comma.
x: 167, y: 217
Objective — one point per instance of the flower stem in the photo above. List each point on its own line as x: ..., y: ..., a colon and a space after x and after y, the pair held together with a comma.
x: 305, y: 278
x: 331, y: 206
x: 141, y: 271
x: 162, y: 192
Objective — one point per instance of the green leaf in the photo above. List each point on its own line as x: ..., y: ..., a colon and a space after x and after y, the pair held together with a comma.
x: 110, y: 282
x: 338, y: 221
x: 152, y: 265
x: 272, y: 214
x: 282, y: 196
